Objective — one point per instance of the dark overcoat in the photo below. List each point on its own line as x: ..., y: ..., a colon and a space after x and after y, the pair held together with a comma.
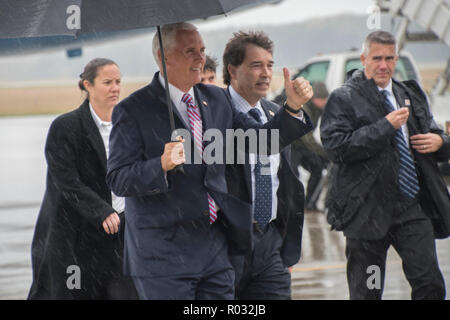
x: 360, y: 141
x: 69, y: 232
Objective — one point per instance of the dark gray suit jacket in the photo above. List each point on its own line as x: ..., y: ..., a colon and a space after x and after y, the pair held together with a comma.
x: 290, y: 211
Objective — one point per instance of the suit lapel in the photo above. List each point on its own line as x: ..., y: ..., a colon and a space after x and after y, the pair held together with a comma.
x: 286, y: 152
x: 246, y: 165
x: 157, y: 91
x: 92, y: 132
x: 404, y: 101
x: 248, y: 176
x: 268, y: 110
x: 202, y: 104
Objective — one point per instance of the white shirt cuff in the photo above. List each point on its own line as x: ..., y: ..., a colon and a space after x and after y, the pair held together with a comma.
x: 300, y: 116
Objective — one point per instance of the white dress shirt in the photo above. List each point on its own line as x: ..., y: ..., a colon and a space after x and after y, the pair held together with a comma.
x: 104, y: 127
x: 393, y: 101
x: 176, y: 95
x: 242, y: 105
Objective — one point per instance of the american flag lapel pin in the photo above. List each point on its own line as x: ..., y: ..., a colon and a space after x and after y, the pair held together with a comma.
x: 407, y: 102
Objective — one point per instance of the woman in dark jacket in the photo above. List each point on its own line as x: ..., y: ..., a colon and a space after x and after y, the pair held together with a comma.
x: 77, y: 245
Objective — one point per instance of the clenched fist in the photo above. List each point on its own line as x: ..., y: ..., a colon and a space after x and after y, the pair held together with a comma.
x: 298, y: 91
x: 111, y: 223
x: 173, y: 155
x: 398, y: 117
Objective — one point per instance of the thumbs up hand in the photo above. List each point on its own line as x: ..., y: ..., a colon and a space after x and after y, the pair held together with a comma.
x: 298, y: 91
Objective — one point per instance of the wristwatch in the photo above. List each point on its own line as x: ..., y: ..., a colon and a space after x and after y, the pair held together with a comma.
x: 292, y: 110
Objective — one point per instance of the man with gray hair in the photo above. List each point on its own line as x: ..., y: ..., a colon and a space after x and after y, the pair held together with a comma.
x: 181, y: 226
x: 269, y: 183
x: 386, y: 188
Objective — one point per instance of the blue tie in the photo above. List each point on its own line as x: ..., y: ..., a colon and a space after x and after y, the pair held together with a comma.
x: 407, y: 176
x: 263, y: 185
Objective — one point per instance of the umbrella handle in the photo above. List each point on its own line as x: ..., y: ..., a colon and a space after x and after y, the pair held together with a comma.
x: 179, y: 168
x: 166, y: 81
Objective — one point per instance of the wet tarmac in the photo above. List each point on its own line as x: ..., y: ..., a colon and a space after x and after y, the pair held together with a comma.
x: 319, y: 275
x: 321, y: 272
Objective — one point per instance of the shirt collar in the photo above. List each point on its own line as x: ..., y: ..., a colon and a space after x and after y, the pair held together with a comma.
x: 388, y: 88
x: 241, y: 104
x: 98, y: 122
x: 175, y: 94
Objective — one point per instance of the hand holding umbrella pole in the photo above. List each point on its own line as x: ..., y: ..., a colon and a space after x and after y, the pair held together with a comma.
x: 178, y: 168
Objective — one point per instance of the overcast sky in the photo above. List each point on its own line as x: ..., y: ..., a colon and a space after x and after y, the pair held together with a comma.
x: 290, y: 11
x: 29, y: 66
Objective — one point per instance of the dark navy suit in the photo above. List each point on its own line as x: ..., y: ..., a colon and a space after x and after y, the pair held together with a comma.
x: 264, y: 272
x: 171, y: 250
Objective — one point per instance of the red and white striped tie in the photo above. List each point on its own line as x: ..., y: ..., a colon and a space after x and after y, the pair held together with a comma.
x: 195, y: 121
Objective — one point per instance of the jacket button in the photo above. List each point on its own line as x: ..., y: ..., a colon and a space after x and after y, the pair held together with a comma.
x: 205, y: 213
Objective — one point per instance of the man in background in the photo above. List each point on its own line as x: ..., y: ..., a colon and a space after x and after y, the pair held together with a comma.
x: 209, y: 75
x: 307, y: 152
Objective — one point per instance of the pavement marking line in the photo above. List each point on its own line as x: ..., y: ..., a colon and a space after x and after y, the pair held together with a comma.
x: 307, y: 269
x: 335, y: 266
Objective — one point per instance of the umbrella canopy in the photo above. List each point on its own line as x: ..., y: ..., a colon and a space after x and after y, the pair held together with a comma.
x: 36, y: 18
x: 33, y: 18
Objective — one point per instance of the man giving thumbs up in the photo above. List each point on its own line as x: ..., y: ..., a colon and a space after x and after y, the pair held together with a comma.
x: 277, y: 198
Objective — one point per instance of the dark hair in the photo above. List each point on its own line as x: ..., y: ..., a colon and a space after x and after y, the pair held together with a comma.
x: 210, y: 64
x: 234, y: 53
x: 90, y: 71
x: 320, y: 90
x: 381, y: 37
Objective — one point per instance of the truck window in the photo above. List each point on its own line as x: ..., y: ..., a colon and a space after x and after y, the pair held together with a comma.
x: 316, y: 71
x: 403, y: 71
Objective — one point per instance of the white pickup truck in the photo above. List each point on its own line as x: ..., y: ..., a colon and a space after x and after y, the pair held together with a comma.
x: 332, y: 68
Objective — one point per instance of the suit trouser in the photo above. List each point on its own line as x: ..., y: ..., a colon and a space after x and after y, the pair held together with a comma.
x: 265, y: 276
x: 314, y: 164
x: 414, y: 242
x: 212, y: 279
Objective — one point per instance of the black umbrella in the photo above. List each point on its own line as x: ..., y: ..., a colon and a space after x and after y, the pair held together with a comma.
x: 28, y: 18
x: 36, y: 18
